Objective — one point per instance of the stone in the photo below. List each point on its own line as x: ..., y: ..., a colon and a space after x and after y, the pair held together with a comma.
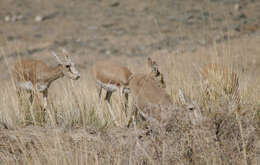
x: 38, y: 18
x: 7, y: 18
x: 236, y: 27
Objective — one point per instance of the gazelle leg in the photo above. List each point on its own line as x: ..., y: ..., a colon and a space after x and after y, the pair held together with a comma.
x: 133, y: 116
x: 126, y: 102
x: 45, y: 103
x: 19, y: 96
x: 107, y: 98
x: 99, y: 90
x: 123, y: 96
x: 31, y: 98
x: 45, y: 95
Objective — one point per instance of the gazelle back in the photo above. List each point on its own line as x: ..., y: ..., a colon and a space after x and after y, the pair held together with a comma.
x: 149, y: 94
x: 150, y: 98
x: 36, y: 76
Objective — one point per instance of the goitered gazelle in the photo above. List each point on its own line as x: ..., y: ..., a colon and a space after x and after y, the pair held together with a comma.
x: 36, y: 76
x: 113, y: 77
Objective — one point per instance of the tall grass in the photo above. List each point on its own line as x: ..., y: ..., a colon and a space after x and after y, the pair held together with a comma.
x: 78, y: 128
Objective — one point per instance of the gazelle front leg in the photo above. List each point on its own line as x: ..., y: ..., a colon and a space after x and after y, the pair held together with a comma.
x: 123, y: 96
x: 99, y: 90
x: 45, y: 95
x: 107, y: 99
x: 31, y: 98
x: 108, y: 96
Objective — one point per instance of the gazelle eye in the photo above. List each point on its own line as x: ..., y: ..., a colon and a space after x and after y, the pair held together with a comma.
x: 67, y: 66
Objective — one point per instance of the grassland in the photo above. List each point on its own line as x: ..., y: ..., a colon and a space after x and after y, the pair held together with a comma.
x: 78, y: 128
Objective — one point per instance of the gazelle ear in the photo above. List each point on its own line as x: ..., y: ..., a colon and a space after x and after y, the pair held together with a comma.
x: 66, y: 53
x: 68, y: 59
x: 150, y: 62
x: 57, y: 58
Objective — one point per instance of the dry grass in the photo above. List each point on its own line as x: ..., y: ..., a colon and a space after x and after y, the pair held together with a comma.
x: 79, y: 130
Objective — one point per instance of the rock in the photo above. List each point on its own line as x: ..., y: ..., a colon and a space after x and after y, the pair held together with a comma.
x: 7, y: 18
x: 237, y: 7
x: 38, y: 35
x: 236, y: 27
x: 10, y: 38
x: 239, y: 17
x: 205, y: 15
x: 92, y: 28
x: 38, y: 18
x: 13, y: 18
x: 107, y: 52
x: 203, y: 42
x: 20, y: 17
x: 115, y: 4
x: 218, y: 19
x: 218, y: 38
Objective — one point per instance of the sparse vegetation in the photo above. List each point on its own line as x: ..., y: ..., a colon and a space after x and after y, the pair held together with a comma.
x: 79, y: 130
x: 207, y: 124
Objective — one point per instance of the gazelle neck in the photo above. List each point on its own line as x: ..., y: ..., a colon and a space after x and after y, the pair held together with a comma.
x: 54, y: 73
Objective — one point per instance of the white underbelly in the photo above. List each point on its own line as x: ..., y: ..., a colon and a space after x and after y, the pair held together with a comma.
x: 108, y: 87
x: 41, y: 87
x: 27, y: 85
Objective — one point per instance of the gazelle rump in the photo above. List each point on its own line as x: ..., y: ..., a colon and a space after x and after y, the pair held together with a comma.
x: 36, y: 76
x: 111, y: 76
x: 115, y: 77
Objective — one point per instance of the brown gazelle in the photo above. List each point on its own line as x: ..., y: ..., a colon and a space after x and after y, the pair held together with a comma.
x: 112, y: 76
x: 150, y: 98
x: 115, y: 77
x: 219, y: 79
x: 36, y: 76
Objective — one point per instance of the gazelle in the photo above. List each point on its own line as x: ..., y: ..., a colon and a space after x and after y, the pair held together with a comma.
x: 112, y: 77
x: 36, y: 76
x: 115, y: 77
x: 218, y: 79
x: 150, y: 98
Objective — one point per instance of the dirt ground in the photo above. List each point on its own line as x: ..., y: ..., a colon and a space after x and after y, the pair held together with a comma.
x: 178, y: 34
x: 92, y: 30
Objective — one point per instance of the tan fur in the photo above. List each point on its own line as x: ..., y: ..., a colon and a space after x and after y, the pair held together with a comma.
x: 112, y: 73
x: 36, y: 71
x: 36, y: 76
x: 113, y: 76
x: 149, y: 97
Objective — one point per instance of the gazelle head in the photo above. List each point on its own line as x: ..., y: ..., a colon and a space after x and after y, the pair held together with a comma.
x: 156, y: 74
x: 68, y: 67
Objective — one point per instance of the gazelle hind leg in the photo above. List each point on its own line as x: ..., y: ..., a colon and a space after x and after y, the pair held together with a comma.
x: 107, y: 99
x: 133, y: 116
x: 19, y: 97
x: 108, y: 96
x: 126, y: 96
x: 123, y: 96
x: 45, y: 103
x: 99, y: 90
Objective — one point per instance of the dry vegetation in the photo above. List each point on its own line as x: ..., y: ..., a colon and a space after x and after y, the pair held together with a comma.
x: 202, y: 128
x: 78, y: 128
